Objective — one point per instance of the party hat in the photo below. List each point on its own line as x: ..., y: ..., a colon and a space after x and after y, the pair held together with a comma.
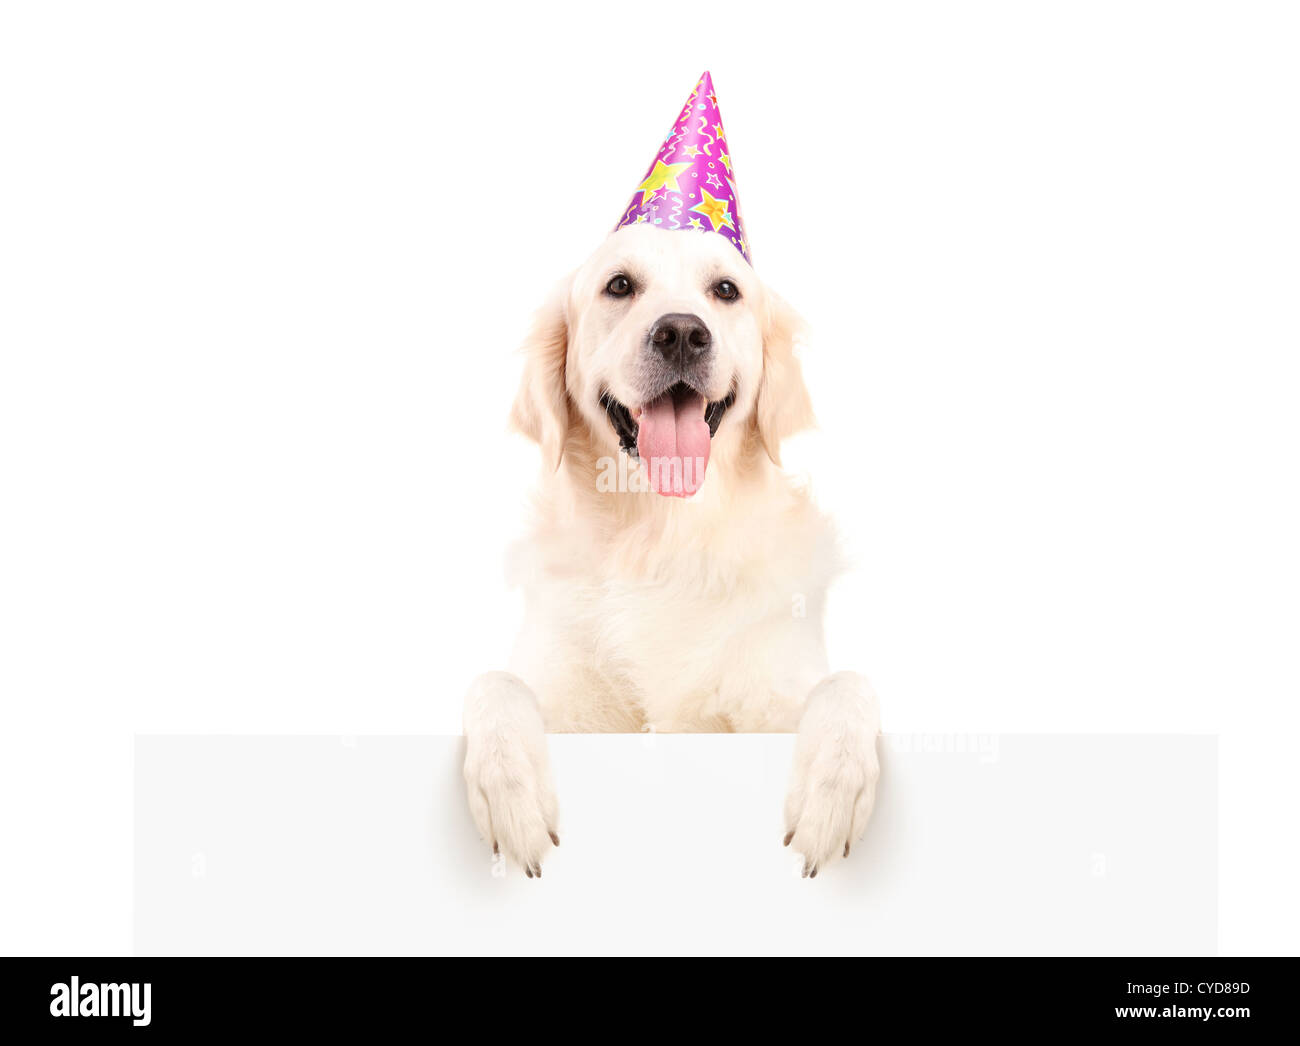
x: 690, y: 185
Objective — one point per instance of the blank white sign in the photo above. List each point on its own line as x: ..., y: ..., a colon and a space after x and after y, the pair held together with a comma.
x: 672, y: 845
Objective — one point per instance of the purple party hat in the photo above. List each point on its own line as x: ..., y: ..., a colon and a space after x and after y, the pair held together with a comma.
x: 690, y: 185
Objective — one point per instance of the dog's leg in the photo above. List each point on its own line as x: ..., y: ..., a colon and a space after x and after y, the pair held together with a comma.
x: 833, y: 784
x: 507, y: 773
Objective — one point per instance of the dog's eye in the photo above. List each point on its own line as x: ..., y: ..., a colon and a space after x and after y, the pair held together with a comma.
x: 726, y: 290
x: 619, y: 287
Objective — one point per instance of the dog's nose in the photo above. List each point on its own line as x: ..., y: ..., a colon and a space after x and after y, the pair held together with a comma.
x: 680, y: 338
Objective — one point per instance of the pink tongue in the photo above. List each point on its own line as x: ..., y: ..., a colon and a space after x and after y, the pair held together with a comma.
x: 673, y: 442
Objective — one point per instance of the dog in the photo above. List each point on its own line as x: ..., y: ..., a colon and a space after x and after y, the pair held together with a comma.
x: 688, y: 597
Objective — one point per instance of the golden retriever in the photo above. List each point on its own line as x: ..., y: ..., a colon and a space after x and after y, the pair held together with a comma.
x: 674, y: 577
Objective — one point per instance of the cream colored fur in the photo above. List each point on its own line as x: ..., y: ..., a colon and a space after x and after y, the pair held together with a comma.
x: 647, y: 612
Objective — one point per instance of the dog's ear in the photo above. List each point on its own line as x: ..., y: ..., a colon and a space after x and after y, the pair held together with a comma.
x: 541, y: 408
x: 784, y: 407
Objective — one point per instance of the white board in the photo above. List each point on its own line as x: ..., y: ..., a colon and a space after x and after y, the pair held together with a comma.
x: 671, y: 844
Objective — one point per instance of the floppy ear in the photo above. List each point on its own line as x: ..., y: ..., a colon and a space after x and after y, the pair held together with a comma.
x: 541, y: 408
x: 783, y: 404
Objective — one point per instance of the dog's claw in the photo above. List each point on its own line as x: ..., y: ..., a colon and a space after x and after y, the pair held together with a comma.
x: 555, y: 839
x: 788, y: 836
x: 496, y: 850
x: 528, y: 872
x: 846, y: 849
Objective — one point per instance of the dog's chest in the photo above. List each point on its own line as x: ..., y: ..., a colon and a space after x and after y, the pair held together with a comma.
x: 674, y: 648
x: 684, y: 635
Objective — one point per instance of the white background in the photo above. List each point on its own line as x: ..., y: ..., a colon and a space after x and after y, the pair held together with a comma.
x: 263, y: 266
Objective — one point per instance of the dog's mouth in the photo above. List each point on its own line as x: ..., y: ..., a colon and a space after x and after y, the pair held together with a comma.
x: 670, y: 434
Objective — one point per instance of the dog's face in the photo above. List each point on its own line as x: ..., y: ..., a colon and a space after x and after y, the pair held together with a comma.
x: 662, y: 343
x: 665, y: 333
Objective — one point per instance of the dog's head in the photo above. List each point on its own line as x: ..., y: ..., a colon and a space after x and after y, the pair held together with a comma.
x: 664, y: 344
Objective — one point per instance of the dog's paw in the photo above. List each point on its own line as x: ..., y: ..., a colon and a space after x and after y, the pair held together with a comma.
x: 512, y: 799
x: 507, y: 772
x: 833, y: 782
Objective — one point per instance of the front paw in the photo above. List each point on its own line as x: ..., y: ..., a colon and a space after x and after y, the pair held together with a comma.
x: 833, y: 782
x: 507, y: 772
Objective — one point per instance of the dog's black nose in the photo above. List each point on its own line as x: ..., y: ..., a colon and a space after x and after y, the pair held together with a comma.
x: 680, y: 338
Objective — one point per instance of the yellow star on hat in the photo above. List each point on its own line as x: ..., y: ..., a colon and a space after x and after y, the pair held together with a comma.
x: 714, y: 209
x: 663, y: 176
